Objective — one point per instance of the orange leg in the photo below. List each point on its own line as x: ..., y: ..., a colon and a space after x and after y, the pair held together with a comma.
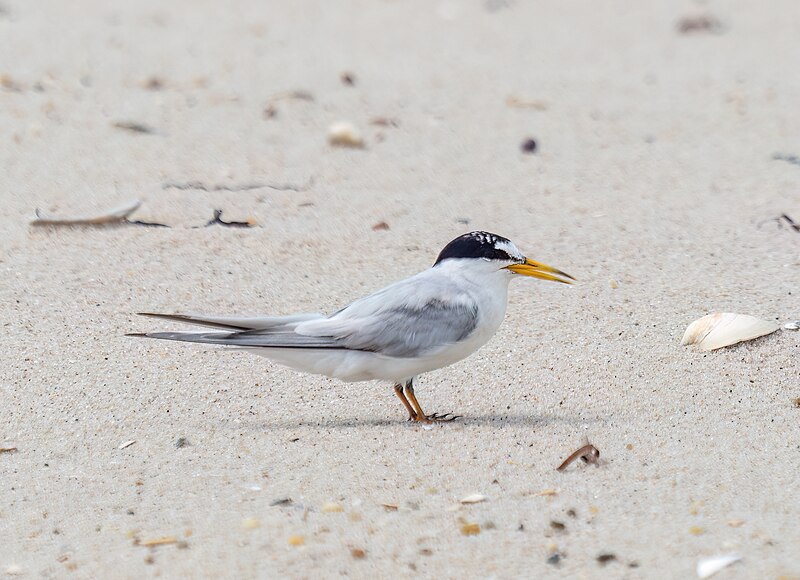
x: 420, y: 415
x: 398, y: 390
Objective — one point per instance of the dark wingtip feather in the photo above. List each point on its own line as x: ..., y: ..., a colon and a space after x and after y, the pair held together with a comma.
x: 190, y: 319
x: 160, y: 315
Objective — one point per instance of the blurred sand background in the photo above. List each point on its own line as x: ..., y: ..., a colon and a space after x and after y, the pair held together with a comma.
x: 654, y: 182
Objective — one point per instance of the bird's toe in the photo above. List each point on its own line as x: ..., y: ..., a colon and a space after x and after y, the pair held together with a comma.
x: 444, y: 418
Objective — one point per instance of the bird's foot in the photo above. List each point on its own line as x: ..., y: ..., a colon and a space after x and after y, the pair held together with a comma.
x: 434, y: 418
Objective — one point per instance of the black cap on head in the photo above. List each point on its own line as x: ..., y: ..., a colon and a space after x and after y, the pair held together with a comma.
x: 481, y: 245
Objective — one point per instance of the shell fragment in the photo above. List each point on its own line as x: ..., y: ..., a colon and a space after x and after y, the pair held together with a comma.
x: 707, y: 567
x: 724, y: 329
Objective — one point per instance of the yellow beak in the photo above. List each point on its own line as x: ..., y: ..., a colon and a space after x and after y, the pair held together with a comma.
x: 541, y: 271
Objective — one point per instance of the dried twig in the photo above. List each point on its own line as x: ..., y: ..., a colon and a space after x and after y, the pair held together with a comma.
x: 793, y: 159
x: 384, y: 122
x: 8, y: 449
x: 219, y: 221
x: 520, y: 103
x: 158, y: 542
x: 113, y: 217
x: 699, y: 23
x: 792, y: 224
x: 780, y: 220
x: 588, y: 453
x: 296, y: 95
x: 134, y: 127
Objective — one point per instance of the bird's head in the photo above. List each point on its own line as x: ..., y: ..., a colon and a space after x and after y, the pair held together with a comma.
x: 498, y: 253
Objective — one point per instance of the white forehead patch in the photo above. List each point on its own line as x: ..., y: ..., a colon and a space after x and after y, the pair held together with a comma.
x: 509, y: 249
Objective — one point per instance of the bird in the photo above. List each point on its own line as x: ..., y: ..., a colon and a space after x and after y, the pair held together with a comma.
x: 423, y: 323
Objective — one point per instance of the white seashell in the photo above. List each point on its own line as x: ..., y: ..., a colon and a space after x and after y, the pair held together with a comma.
x: 724, y: 329
x: 793, y: 325
x: 707, y: 567
x: 473, y: 498
x: 344, y: 134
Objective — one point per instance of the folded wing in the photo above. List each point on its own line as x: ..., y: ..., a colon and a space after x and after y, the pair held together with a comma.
x: 405, y: 320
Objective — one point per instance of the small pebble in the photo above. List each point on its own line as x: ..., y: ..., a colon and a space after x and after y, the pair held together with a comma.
x: 528, y: 146
x: 471, y: 529
x: 558, y: 526
x: 251, y: 523
x: 606, y: 558
x: 153, y: 84
x: 181, y: 442
x: 699, y: 23
x: 332, y: 508
x: 554, y: 559
x: 793, y: 325
x: 344, y: 134
x: 296, y: 541
x: 358, y: 553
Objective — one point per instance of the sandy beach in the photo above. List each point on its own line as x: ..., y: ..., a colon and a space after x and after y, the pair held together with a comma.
x: 666, y: 153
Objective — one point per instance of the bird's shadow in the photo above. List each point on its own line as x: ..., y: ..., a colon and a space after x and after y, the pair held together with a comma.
x: 497, y: 421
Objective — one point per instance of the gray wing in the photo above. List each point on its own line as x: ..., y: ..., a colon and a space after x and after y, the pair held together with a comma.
x: 414, y: 331
x: 411, y: 318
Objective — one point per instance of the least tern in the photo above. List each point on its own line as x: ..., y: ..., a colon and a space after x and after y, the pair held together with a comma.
x: 414, y: 326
